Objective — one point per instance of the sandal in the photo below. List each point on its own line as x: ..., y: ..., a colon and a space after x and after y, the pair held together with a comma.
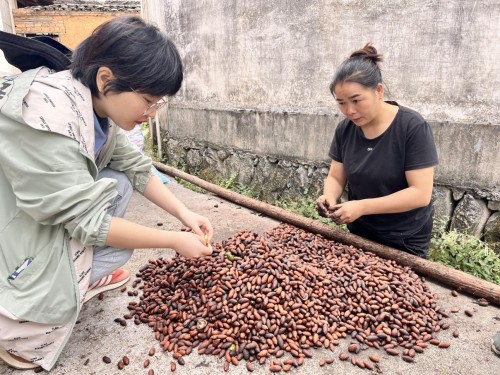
x: 16, y: 363
x: 115, y: 280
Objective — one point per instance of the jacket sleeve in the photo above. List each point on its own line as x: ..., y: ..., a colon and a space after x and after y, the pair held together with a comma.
x: 52, y: 182
x: 128, y: 159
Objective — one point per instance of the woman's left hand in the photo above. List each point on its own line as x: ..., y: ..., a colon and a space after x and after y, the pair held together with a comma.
x: 199, y: 224
x: 347, y: 212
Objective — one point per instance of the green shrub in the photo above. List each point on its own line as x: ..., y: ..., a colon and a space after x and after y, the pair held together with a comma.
x: 466, y: 253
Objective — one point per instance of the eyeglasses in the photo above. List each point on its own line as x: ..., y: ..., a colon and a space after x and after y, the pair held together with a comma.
x: 151, y: 107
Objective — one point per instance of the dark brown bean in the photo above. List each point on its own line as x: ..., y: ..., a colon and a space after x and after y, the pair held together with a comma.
x: 368, y: 365
x: 125, y: 360
x: 152, y: 352
x: 468, y: 313
x: 393, y: 352
x: 173, y: 366
x: 407, y: 358
x: 275, y: 368
x: 120, y: 365
x: 343, y: 356
x: 395, y: 308
x: 106, y: 359
x: 353, y: 348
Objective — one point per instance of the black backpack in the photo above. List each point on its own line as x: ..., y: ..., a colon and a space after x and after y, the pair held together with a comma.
x: 29, y: 53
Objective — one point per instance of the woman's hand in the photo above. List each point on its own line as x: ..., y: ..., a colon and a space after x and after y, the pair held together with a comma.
x: 323, y: 206
x: 190, y: 245
x: 347, y: 212
x: 200, y: 225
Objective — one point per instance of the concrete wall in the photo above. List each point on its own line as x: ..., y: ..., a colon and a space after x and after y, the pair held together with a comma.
x: 441, y: 55
x: 257, y: 74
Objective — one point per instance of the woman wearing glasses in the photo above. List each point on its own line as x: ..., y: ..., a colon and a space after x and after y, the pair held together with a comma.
x: 66, y: 177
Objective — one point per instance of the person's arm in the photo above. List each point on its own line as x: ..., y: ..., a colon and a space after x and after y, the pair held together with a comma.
x: 126, y: 234
x: 160, y: 195
x: 417, y: 194
x: 333, y: 188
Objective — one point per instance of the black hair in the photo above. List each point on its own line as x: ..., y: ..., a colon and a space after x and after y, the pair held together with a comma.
x: 361, y: 67
x: 140, y: 56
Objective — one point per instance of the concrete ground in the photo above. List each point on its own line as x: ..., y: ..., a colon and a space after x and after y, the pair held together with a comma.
x: 97, y: 335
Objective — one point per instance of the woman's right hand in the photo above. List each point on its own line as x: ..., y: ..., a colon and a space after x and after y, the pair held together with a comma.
x: 326, y: 208
x: 323, y: 206
x: 190, y: 245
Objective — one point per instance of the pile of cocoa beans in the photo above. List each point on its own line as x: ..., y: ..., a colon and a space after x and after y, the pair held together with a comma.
x: 261, y: 297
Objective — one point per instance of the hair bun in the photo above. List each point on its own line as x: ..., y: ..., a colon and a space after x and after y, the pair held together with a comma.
x: 367, y: 52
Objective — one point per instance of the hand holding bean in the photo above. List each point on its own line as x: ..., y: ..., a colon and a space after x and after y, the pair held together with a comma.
x: 346, y: 212
x: 200, y: 225
x: 191, y: 245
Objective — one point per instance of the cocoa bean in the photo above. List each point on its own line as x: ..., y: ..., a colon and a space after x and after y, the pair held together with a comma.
x: 274, y: 297
x: 275, y: 368
x: 343, y: 356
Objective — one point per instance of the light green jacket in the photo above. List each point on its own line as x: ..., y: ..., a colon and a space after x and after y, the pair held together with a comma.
x: 48, y: 190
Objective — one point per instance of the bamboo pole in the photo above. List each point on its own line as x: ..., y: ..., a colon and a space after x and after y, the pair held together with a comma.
x: 456, y: 279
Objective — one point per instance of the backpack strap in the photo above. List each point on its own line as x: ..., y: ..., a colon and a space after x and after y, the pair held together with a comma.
x: 30, y: 53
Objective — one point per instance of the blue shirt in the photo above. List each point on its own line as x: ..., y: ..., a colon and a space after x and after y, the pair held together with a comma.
x: 101, y: 130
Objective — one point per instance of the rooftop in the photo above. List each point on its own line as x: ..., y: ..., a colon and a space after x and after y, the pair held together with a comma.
x: 86, y: 5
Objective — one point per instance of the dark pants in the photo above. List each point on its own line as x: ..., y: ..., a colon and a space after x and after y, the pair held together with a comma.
x: 416, y: 244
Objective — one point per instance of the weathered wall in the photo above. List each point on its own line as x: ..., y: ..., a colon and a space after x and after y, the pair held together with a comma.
x: 257, y: 75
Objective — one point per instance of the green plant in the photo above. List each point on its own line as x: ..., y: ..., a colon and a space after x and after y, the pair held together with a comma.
x: 466, y: 253
x: 230, y: 182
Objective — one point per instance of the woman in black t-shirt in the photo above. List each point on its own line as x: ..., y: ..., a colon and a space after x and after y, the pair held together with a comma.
x: 385, y: 155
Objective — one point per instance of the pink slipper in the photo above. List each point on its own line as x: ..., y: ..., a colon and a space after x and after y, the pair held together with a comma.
x: 115, y: 280
x: 15, y: 363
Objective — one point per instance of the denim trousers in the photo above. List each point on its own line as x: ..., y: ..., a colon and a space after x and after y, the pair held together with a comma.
x: 107, y: 259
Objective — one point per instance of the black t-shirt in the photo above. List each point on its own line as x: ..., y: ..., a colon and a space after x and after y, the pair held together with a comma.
x: 376, y: 167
